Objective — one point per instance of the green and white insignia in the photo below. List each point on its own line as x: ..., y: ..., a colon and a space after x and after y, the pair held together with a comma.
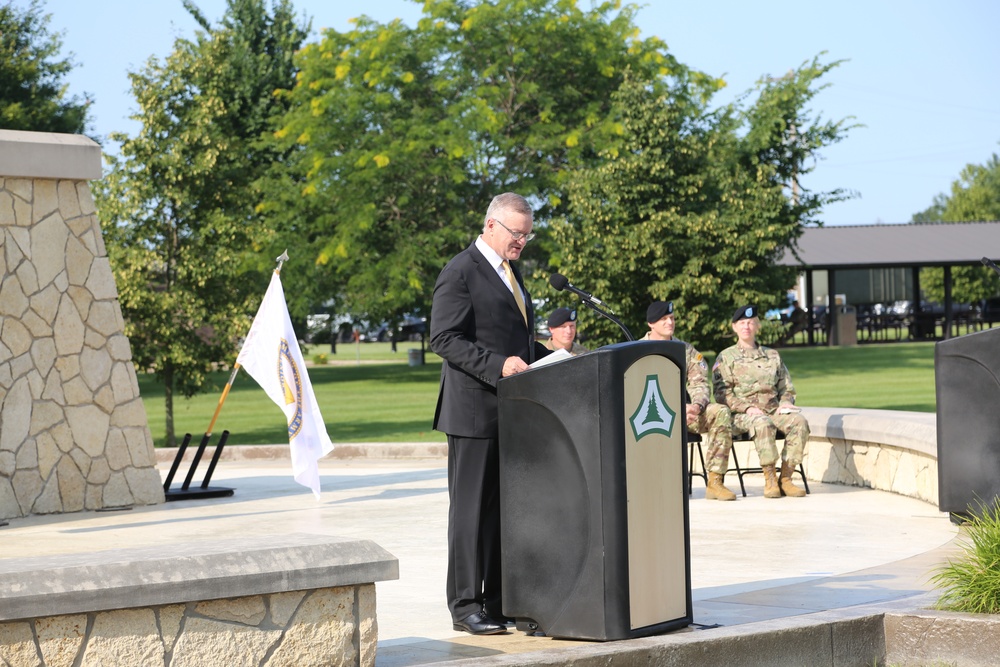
x: 652, y: 415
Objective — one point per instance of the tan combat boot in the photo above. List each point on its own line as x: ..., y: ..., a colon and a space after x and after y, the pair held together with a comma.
x: 771, y: 489
x: 787, y: 488
x: 715, y: 490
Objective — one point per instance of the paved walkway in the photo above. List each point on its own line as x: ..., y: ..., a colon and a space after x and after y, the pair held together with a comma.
x: 753, y: 559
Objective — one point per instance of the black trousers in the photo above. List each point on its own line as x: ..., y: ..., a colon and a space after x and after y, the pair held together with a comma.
x: 473, y: 526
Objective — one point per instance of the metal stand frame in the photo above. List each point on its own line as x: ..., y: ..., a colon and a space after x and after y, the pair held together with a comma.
x: 204, y: 490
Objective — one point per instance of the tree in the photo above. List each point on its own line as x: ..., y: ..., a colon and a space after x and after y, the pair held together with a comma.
x: 975, y: 197
x: 32, y: 95
x: 696, y: 206
x: 179, y: 205
x: 400, y: 137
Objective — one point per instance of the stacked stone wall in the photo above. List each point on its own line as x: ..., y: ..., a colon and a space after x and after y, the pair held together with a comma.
x: 329, y: 626
x: 73, y: 429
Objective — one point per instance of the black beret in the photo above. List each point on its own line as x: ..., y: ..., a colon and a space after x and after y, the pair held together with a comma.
x: 658, y: 309
x: 561, y: 316
x: 744, y: 313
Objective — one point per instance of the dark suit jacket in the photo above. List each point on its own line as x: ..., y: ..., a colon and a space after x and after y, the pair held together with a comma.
x: 475, y: 326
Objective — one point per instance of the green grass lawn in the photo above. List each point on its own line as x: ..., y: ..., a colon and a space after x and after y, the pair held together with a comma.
x: 893, y: 376
x: 368, y: 393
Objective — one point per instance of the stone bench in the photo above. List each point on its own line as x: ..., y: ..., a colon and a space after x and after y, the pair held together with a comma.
x: 295, y: 599
x: 888, y: 450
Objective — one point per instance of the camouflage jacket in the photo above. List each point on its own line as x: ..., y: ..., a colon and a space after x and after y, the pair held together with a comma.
x: 747, y: 378
x: 576, y: 350
x: 699, y: 384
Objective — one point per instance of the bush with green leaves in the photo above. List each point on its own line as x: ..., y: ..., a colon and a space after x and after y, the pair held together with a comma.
x: 972, y: 580
x: 694, y: 205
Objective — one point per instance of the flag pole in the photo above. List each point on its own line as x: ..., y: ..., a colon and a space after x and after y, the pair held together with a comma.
x: 281, y: 259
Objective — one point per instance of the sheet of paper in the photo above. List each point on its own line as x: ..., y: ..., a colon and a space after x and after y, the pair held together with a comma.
x: 558, y: 355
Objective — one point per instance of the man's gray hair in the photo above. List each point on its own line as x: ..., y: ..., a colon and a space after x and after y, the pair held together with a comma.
x: 508, y: 201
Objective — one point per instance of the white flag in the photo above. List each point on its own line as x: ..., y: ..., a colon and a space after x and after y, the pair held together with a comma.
x: 272, y: 357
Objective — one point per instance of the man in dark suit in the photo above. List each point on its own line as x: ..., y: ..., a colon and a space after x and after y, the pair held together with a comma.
x: 482, y: 326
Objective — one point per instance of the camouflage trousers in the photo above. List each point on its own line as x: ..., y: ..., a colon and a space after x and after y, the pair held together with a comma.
x: 763, y: 428
x: 715, y: 424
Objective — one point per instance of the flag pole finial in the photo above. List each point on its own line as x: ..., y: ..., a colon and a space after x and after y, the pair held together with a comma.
x: 281, y: 259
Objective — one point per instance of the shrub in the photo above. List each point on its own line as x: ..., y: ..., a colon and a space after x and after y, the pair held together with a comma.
x: 972, y: 581
x: 771, y: 331
x: 320, y: 359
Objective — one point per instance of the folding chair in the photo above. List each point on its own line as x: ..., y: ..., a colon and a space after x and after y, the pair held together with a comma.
x: 694, y: 440
x: 740, y: 471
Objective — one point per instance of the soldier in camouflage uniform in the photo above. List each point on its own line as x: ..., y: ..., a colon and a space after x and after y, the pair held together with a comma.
x: 562, y: 332
x: 754, y: 383
x: 711, y: 420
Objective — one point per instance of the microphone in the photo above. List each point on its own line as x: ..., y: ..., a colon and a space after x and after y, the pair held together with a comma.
x: 560, y: 282
x: 986, y: 260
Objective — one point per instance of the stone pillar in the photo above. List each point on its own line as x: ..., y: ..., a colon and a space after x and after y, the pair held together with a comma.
x: 73, y: 429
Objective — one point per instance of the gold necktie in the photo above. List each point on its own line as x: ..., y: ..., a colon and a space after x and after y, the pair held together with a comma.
x: 516, y: 289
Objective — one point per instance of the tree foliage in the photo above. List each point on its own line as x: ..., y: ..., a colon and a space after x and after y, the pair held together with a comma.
x: 696, y: 206
x: 32, y: 93
x: 975, y: 197
x: 190, y: 256
x: 399, y: 137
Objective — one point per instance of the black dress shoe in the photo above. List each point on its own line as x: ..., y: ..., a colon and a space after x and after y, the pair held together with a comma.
x: 479, y: 624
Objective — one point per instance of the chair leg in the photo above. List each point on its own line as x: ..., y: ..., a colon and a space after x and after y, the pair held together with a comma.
x: 691, y: 473
x: 802, y: 473
x: 739, y: 471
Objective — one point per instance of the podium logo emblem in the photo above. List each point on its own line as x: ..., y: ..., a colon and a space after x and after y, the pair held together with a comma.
x: 652, y: 415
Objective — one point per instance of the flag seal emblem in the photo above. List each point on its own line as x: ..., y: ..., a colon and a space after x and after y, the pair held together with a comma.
x: 291, y: 383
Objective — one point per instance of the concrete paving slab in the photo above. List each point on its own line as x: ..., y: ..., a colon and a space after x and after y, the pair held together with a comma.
x: 752, y: 560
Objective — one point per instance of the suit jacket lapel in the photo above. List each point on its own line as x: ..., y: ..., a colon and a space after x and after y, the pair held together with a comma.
x: 524, y: 292
x: 529, y: 312
x: 499, y: 284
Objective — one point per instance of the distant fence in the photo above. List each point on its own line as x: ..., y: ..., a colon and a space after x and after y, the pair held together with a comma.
x: 881, y: 328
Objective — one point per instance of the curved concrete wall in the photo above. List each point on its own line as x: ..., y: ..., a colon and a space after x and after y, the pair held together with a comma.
x: 880, y: 449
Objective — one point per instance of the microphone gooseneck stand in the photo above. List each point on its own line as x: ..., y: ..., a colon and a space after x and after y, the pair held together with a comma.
x: 560, y: 283
x: 628, y: 334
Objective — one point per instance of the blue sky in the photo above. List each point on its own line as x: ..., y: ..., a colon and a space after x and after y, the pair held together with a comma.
x: 922, y: 76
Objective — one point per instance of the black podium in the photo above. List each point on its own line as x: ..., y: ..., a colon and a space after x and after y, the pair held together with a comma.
x: 967, y: 384
x: 594, y: 512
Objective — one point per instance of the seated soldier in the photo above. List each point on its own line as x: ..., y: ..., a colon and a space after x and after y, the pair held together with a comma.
x: 754, y: 383
x: 562, y: 329
x: 709, y: 419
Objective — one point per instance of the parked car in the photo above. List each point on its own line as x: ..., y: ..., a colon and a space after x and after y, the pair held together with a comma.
x: 412, y: 327
x: 323, y: 327
x: 990, y: 310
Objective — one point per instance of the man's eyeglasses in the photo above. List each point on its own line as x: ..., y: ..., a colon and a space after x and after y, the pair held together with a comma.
x: 517, y: 236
